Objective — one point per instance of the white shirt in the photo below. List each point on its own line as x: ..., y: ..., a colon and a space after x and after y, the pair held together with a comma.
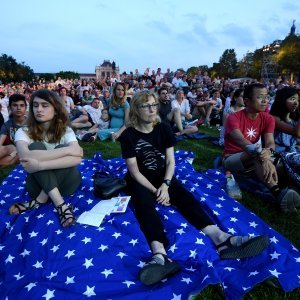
x: 184, y: 107
x: 4, y: 102
x: 69, y: 136
x: 68, y: 103
x: 95, y: 113
x: 176, y: 82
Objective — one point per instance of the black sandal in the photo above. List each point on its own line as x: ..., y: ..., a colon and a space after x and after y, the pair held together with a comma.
x: 25, y: 206
x: 251, y: 247
x: 65, y: 215
x: 154, y: 271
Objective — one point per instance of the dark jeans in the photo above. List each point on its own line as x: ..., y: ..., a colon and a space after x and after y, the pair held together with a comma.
x: 67, y: 180
x: 144, y: 204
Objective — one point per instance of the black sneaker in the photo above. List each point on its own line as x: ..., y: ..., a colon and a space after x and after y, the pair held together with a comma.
x: 289, y: 200
x: 86, y: 137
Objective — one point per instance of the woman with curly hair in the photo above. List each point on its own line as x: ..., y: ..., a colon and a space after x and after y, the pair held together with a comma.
x: 49, y: 153
x: 285, y: 110
x: 118, y: 112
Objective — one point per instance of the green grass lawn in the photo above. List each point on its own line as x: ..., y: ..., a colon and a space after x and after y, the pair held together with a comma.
x: 286, y: 224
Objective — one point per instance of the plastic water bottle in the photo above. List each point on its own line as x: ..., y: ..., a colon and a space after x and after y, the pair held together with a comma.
x: 232, y: 187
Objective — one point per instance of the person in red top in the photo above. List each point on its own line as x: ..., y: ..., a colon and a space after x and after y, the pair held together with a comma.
x: 243, y: 149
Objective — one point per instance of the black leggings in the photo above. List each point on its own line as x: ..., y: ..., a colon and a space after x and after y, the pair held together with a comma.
x: 144, y: 204
x: 67, y: 180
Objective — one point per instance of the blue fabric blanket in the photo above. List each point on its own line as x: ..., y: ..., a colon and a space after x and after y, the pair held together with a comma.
x: 39, y: 259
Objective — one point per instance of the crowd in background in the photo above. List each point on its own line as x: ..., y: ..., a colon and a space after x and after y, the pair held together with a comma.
x: 210, y: 99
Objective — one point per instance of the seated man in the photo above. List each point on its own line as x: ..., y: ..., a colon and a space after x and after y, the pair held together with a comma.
x: 8, y: 153
x: 203, y: 106
x: 172, y: 116
x: 91, y: 115
x: 242, y: 149
x: 217, y: 109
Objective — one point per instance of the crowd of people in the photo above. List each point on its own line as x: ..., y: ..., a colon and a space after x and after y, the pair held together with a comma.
x: 43, y: 122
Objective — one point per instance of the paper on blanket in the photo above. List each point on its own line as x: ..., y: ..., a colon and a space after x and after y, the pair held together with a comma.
x: 121, y: 204
x: 104, y: 206
x: 95, y: 216
x: 89, y: 218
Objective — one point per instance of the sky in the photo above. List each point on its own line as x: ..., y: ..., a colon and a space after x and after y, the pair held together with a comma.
x: 71, y: 35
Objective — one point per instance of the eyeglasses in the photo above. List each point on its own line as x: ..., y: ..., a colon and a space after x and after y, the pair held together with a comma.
x: 153, y: 106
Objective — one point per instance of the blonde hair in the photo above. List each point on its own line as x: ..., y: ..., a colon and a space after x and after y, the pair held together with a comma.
x: 137, y: 100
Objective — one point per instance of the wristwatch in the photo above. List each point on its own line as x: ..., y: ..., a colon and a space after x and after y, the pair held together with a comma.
x: 167, y: 182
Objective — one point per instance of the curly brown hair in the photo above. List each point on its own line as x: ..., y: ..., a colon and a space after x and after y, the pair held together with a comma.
x: 58, y: 124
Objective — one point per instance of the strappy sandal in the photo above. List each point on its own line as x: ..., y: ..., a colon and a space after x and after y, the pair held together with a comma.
x: 24, y: 206
x: 65, y: 215
x: 157, y: 269
x: 243, y: 249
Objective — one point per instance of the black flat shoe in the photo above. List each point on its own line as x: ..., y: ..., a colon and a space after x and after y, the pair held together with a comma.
x: 156, y: 269
x: 251, y: 247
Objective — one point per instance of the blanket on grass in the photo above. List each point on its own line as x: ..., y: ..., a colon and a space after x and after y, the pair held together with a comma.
x: 40, y: 259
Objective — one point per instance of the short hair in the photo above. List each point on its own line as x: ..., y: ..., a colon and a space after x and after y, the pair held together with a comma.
x: 27, y: 90
x: 161, y: 89
x: 15, y: 98
x: 177, y: 92
x: 279, y: 108
x: 249, y: 89
x: 136, y: 101
x: 63, y: 88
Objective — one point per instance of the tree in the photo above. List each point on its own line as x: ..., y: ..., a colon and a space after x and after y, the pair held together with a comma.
x: 10, y: 70
x: 288, y: 56
x: 68, y: 75
x: 204, y: 68
x: 192, y: 71
x: 47, y: 76
x: 227, y: 65
x: 244, y: 66
x: 257, y: 63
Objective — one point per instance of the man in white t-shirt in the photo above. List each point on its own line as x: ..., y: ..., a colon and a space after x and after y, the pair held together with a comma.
x: 91, y: 115
x: 176, y: 80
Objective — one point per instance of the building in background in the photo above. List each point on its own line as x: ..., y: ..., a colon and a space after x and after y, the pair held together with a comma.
x: 107, y: 70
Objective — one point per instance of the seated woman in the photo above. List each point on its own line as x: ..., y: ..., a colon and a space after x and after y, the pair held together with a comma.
x: 236, y: 104
x: 148, y: 147
x: 182, y: 104
x: 118, y: 112
x: 49, y: 152
x: 285, y: 110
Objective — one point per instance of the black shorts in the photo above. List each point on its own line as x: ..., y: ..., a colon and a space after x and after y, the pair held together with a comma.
x: 90, y: 120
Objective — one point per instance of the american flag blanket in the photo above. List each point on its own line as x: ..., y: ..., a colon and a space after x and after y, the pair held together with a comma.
x: 41, y: 260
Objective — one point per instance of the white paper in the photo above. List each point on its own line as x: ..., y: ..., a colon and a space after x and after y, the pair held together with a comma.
x: 104, y: 206
x: 89, y: 218
x: 95, y: 216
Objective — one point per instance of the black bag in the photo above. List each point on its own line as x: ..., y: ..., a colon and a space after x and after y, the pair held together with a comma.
x: 107, y: 187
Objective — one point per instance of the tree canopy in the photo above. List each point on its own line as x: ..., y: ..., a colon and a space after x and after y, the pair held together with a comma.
x: 12, y: 71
